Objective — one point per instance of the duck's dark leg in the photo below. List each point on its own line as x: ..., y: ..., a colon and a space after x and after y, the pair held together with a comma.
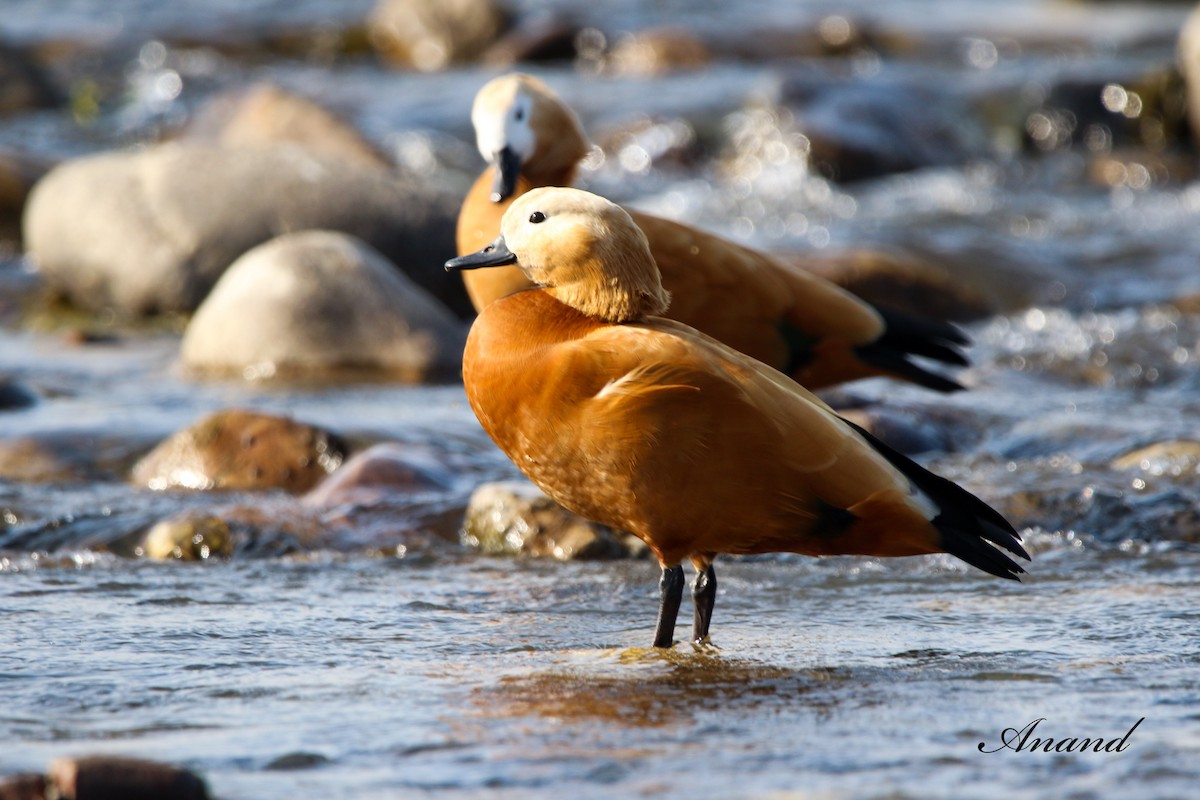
x: 670, y: 589
x: 704, y: 597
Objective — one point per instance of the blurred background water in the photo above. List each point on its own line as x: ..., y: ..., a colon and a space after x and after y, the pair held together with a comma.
x: 1052, y: 176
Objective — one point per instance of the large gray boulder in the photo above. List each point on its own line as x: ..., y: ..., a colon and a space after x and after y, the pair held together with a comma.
x: 319, y: 301
x: 151, y: 231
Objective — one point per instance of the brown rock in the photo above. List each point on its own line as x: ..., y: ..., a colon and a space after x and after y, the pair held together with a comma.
x: 430, y: 35
x: 111, y: 777
x: 264, y: 115
x: 513, y: 518
x: 243, y: 450
x: 1178, y: 457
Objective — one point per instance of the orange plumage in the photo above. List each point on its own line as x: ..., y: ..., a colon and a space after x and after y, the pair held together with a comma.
x: 651, y: 426
x: 806, y: 326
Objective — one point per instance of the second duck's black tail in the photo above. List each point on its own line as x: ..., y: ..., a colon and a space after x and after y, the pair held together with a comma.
x: 908, y: 335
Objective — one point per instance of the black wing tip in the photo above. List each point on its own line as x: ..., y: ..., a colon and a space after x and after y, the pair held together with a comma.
x: 939, y: 383
x: 970, y: 529
x: 1004, y: 535
x: 947, y: 354
x: 981, y: 549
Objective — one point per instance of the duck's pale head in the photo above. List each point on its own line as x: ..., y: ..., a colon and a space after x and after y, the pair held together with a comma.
x: 523, y: 128
x: 585, y: 250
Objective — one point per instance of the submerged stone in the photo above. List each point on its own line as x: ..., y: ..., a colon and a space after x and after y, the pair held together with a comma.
x: 514, y: 518
x: 389, y: 468
x: 189, y: 537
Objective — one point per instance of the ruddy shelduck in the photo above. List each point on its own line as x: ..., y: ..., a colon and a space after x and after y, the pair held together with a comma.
x: 648, y: 425
x: 801, y: 324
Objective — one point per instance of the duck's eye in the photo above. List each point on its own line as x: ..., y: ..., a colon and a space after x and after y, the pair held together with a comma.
x: 520, y: 115
x: 537, y: 217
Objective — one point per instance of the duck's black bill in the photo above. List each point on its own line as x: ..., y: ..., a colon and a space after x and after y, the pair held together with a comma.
x: 495, y: 254
x: 508, y: 169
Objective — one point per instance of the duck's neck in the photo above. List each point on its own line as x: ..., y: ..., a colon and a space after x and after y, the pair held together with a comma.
x: 549, y: 176
x: 609, y: 304
x: 615, y: 281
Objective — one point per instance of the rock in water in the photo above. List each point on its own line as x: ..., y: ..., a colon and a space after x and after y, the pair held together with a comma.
x: 264, y: 114
x: 515, y: 518
x: 237, y: 449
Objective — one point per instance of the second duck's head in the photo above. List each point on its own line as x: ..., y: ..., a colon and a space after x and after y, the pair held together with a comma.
x: 586, y: 251
x: 523, y: 128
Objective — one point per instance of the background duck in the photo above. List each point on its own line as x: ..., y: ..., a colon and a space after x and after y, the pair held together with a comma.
x: 648, y: 425
x: 799, y: 323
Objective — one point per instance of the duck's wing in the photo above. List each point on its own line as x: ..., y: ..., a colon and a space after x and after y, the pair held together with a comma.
x: 791, y: 319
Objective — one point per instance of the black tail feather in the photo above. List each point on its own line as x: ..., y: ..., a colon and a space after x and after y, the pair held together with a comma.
x: 907, y: 335
x: 965, y: 522
x: 897, y: 363
x: 918, y: 327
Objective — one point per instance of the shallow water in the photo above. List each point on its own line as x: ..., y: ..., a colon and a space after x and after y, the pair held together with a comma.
x: 387, y: 664
x: 352, y: 677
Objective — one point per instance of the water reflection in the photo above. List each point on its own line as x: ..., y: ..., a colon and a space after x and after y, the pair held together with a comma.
x: 646, y: 687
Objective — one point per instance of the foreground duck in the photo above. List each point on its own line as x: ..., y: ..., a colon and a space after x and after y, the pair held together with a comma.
x: 647, y: 425
x: 805, y: 326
